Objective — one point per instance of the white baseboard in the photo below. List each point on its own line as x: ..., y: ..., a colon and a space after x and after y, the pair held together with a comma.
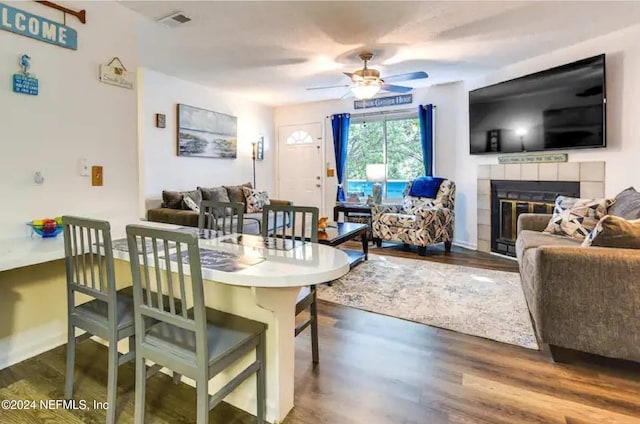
x: 503, y: 256
x: 17, y: 348
x: 465, y: 244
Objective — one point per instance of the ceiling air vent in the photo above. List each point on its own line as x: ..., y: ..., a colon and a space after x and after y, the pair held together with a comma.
x: 175, y: 19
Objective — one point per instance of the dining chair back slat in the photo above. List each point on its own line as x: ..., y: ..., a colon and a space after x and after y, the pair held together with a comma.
x: 84, y: 251
x: 215, y: 215
x: 282, y: 221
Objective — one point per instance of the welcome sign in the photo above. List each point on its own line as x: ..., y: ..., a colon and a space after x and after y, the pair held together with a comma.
x: 24, y: 23
x: 402, y: 99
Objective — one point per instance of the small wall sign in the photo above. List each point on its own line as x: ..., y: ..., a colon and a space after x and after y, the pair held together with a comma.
x: 27, y: 24
x: 24, y: 82
x: 401, y: 99
x: 540, y: 158
x: 161, y: 120
x: 117, y: 74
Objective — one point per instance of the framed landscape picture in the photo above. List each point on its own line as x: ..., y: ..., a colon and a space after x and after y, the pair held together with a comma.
x: 207, y: 134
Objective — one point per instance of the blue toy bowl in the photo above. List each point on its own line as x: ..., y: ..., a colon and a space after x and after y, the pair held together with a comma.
x: 39, y: 230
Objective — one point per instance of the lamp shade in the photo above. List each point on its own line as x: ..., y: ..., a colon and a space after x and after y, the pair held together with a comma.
x: 376, y: 172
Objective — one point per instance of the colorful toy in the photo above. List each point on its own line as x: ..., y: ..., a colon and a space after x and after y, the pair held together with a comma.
x: 47, y: 227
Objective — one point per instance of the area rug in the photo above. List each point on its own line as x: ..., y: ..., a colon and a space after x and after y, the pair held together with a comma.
x: 474, y: 301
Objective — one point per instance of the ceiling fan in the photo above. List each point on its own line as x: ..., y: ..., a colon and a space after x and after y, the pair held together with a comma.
x: 366, y: 82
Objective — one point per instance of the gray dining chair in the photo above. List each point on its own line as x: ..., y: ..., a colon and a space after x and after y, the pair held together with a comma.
x: 297, y: 223
x: 199, y: 342
x: 220, y: 216
x: 109, y: 315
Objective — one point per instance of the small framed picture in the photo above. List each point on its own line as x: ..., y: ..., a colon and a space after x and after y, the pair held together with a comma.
x: 260, y: 149
x: 161, y: 120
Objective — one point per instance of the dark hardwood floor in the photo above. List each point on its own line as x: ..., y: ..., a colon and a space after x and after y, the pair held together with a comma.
x: 458, y: 255
x: 373, y: 370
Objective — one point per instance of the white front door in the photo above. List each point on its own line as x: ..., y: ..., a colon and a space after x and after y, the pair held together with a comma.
x: 300, y: 164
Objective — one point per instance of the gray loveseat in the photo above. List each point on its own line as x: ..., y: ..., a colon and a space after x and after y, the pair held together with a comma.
x: 173, y: 210
x: 580, y: 298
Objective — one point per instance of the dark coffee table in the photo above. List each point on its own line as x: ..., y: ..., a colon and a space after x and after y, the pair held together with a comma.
x: 340, y: 232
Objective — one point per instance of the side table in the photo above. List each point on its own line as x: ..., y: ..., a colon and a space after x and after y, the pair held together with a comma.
x: 358, y: 209
x: 354, y: 212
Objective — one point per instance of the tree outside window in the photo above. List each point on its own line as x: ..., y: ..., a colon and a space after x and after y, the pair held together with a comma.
x: 395, y: 142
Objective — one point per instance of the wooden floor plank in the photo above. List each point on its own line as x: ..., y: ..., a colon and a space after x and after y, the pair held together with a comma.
x: 552, y: 405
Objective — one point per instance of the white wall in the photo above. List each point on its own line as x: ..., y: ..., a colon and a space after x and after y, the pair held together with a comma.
x: 74, y: 116
x: 161, y: 167
x: 623, y: 125
x: 447, y: 115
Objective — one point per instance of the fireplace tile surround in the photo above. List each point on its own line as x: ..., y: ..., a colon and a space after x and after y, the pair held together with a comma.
x: 591, y: 176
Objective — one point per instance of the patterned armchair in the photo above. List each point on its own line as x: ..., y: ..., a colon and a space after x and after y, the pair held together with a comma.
x: 419, y: 221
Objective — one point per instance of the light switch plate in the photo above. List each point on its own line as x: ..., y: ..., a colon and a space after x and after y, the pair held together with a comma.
x: 96, y: 176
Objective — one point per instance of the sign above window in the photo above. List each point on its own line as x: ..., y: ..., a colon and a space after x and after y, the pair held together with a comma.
x: 24, y: 23
x: 402, y: 99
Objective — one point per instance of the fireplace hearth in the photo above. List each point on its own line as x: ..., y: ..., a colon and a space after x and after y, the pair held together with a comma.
x: 509, y: 199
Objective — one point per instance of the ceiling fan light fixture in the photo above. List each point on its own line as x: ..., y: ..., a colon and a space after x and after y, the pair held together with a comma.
x: 366, y: 82
x: 366, y: 90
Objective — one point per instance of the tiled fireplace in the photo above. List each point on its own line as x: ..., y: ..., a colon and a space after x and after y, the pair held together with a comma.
x: 522, y: 188
x: 510, y: 198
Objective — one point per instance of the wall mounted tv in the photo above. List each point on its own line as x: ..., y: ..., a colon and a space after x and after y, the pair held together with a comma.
x: 560, y: 108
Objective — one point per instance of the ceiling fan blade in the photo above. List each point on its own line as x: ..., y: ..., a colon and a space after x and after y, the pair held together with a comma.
x: 348, y: 95
x: 329, y: 86
x: 396, y: 88
x: 406, y: 77
x: 353, y: 77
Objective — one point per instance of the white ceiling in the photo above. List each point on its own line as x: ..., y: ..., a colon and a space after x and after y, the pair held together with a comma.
x: 271, y: 52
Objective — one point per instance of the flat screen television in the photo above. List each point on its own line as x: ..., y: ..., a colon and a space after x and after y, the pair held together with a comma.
x: 560, y: 108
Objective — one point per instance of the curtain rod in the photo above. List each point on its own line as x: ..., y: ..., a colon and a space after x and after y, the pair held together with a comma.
x: 382, y: 112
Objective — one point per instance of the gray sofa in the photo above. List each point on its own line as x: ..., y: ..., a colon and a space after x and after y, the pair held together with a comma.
x: 580, y: 298
x: 172, y: 210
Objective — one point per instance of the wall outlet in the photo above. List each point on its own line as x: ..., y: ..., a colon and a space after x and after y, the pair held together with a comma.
x: 96, y: 176
x: 330, y: 172
x: 83, y: 167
